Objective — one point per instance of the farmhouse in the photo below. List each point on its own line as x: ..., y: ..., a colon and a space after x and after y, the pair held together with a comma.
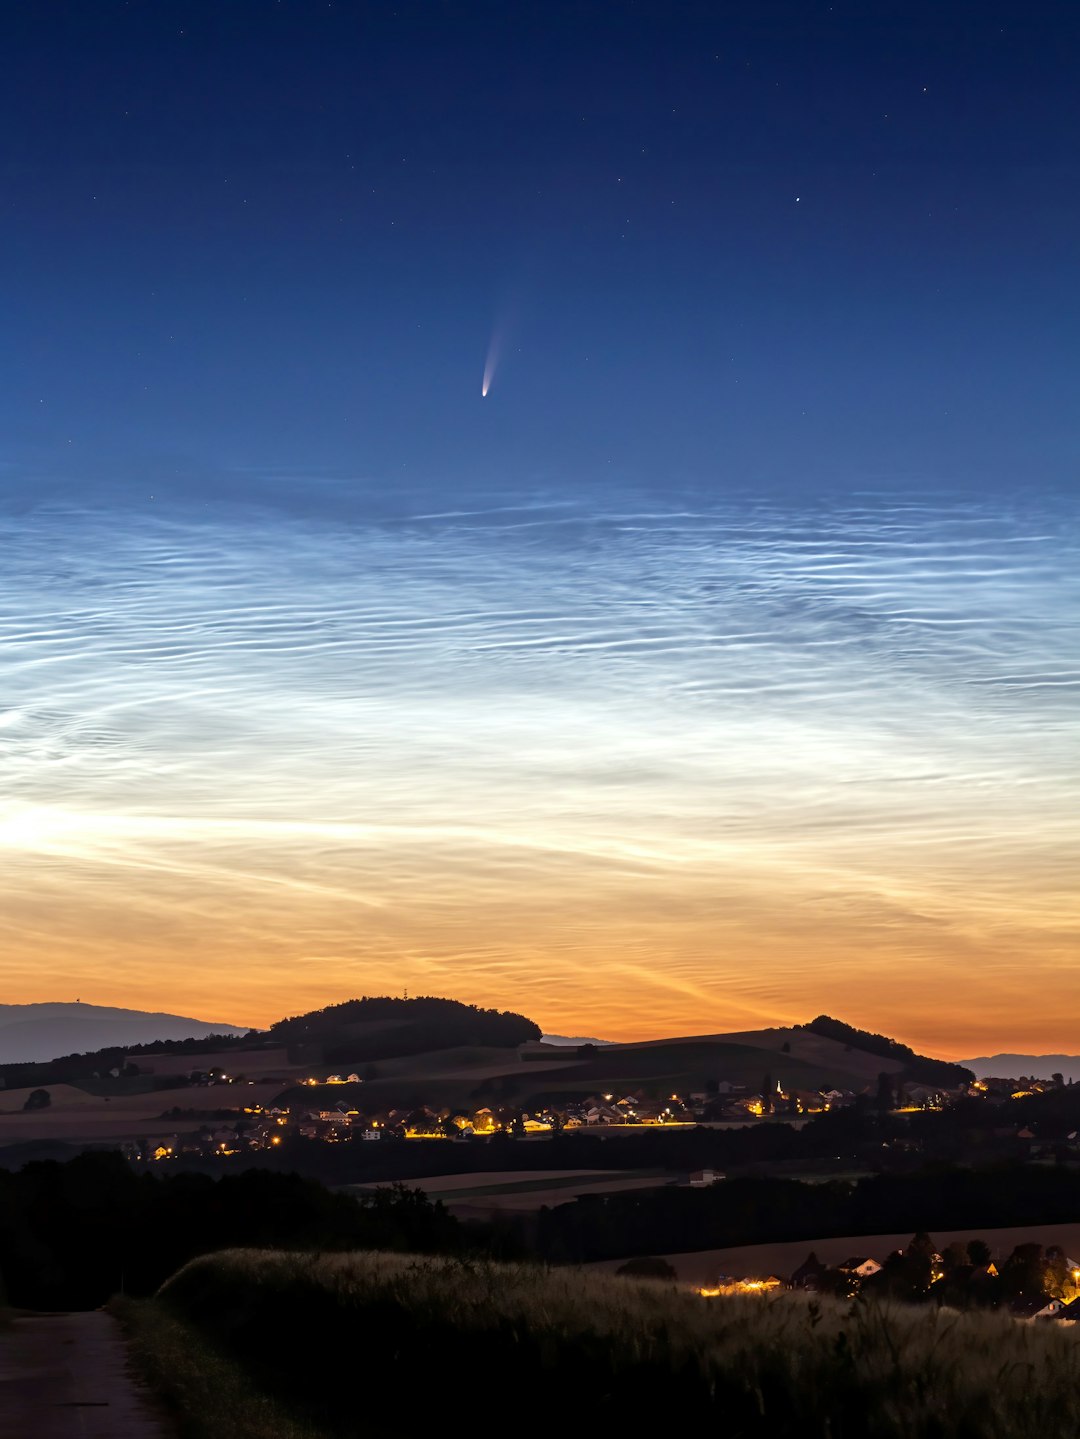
x: 702, y: 1178
x: 860, y: 1265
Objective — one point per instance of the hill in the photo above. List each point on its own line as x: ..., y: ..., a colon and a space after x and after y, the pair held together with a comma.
x: 34, y: 1033
x: 532, y: 1073
x: 914, y: 1066
x: 360, y: 1031
x: 628, y: 1356
x: 427, y: 1051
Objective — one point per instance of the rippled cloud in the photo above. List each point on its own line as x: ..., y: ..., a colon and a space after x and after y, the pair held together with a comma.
x: 665, y: 766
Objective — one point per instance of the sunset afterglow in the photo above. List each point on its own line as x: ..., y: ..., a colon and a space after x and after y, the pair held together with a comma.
x: 716, y: 667
x: 629, y: 769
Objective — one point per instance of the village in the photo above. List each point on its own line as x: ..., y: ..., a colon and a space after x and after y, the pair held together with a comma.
x: 1031, y: 1283
x: 231, y: 1128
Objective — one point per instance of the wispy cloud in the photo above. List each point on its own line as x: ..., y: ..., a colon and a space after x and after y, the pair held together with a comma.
x: 577, y: 743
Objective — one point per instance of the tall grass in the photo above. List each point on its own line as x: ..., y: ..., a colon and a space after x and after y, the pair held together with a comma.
x: 206, y: 1392
x: 529, y: 1347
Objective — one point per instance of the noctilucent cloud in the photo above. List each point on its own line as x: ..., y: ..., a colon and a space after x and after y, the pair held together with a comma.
x: 718, y: 667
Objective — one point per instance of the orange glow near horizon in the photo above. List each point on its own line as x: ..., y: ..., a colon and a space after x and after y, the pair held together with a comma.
x: 668, y: 774
x: 244, y: 926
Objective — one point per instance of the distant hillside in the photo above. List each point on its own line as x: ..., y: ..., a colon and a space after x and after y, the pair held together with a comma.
x: 1040, y: 1066
x: 31, y: 1033
x: 918, y: 1067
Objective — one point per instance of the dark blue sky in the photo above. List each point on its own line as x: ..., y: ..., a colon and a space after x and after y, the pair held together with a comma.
x: 772, y: 243
x: 717, y: 669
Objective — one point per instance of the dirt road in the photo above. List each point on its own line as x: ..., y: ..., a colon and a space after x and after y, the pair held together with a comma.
x: 67, y: 1376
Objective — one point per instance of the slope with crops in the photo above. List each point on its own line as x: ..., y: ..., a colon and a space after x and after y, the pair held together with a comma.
x: 542, y: 1348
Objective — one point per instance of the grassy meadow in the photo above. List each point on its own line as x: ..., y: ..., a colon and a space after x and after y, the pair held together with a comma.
x: 334, y: 1345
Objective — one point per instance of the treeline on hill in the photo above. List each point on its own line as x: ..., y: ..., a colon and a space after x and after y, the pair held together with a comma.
x: 762, y: 1210
x: 73, y: 1234
x: 586, y: 1353
x: 362, y: 1030
x: 916, y: 1066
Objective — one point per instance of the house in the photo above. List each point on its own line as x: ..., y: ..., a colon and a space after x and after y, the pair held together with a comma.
x: 602, y: 1114
x: 752, y: 1104
x: 1038, y: 1308
x: 860, y: 1265
x: 807, y: 1101
x: 702, y: 1178
x: 997, y: 1088
x: 921, y: 1096
x: 837, y: 1098
x: 372, y: 1133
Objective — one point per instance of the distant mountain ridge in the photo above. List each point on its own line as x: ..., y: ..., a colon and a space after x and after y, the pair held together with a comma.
x: 1040, y: 1066
x: 33, y: 1033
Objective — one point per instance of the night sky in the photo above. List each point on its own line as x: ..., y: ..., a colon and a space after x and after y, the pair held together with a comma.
x: 718, y: 668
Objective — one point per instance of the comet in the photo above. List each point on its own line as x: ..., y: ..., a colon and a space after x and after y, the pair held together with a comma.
x: 491, y: 363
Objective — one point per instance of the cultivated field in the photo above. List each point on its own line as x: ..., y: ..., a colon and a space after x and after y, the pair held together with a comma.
x: 572, y: 1351
x: 702, y: 1266
x: 75, y: 1116
x: 254, y: 1063
x: 483, y: 1193
x: 826, y: 1057
x: 536, y: 1072
x: 822, y: 1052
x: 63, y: 1096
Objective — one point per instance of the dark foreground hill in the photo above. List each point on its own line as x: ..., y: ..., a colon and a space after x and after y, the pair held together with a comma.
x: 543, y: 1350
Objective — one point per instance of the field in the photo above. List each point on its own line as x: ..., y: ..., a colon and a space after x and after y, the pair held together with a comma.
x: 76, y: 1116
x: 823, y: 1053
x: 794, y: 1056
x: 536, y: 1073
x: 253, y: 1063
x: 464, y: 1076
x: 750, y: 1260
x: 549, y: 1349
x: 481, y: 1194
